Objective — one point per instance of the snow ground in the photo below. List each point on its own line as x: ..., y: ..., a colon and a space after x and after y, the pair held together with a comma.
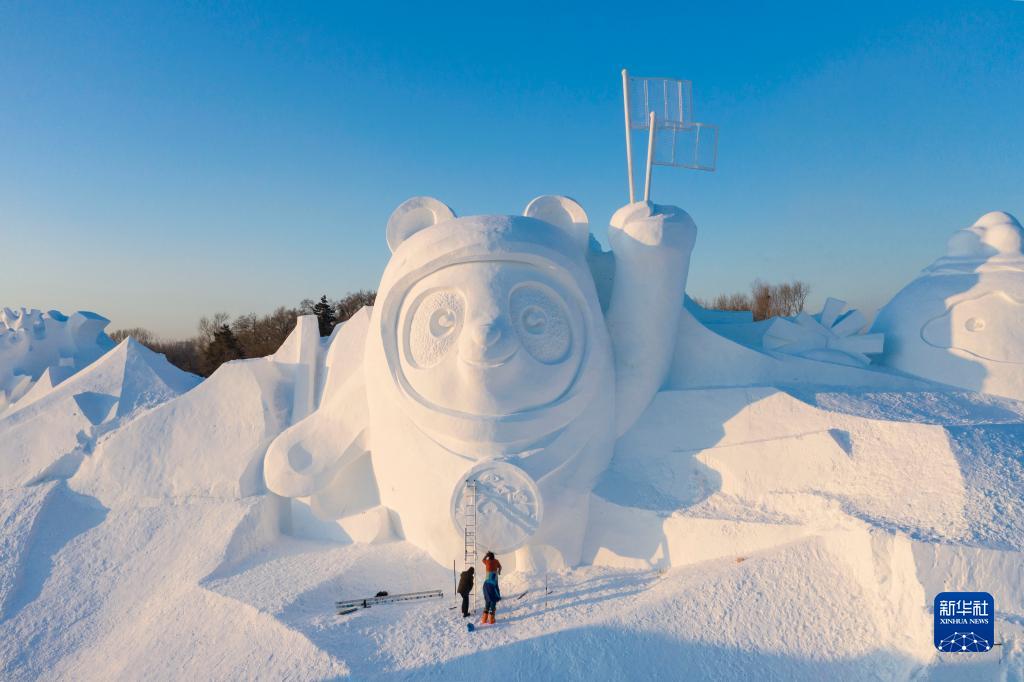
x: 739, y: 534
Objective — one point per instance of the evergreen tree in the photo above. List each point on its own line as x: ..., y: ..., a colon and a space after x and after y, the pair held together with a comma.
x: 223, y: 347
x: 325, y: 316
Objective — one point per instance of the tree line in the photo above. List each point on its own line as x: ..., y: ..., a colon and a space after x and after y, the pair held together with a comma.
x: 764, y: 300
x: 221, y: 338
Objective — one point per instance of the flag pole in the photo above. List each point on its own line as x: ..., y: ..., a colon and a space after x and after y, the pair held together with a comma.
x: 629, y: 144
x: 650, y: 159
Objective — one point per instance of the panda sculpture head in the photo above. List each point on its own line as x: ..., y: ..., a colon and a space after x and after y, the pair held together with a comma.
x: 490, y: 324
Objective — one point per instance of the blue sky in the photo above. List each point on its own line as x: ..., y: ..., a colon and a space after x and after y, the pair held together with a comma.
x: 162, y: 162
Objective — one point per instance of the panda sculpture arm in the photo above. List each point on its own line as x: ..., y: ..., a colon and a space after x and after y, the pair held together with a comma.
x: 652, y: 246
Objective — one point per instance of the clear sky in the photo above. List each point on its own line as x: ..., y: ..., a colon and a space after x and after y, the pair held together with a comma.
x: 162, y: 162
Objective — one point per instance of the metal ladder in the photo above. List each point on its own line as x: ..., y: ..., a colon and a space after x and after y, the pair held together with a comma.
x: 469, y: 529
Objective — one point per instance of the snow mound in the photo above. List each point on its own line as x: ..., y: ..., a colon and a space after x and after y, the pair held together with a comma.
x: 48, y: 436
x: 741, y: 531
x: 744, y: 532
x: 209, y: 442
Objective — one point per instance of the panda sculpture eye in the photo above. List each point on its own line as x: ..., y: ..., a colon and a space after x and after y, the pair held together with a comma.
x: 534, y: 320
x: 442, y: 322
x: 541, y: 321
x: 434, y: 325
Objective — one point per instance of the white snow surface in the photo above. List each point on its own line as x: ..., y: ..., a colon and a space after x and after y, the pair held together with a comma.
x: 739, y: 533
x: 704, y: 508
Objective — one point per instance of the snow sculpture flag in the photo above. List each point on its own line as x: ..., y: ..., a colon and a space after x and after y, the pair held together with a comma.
x: 828, y: 336
x: 488, y: 359
x: 960, y: 321
x: 33, y: 342
x: 678, y: 140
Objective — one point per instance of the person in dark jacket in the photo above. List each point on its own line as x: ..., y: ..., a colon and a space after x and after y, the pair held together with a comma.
x: 465, y: 588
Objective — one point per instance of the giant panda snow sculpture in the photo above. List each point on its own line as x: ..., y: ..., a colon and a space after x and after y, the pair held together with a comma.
x: 961, y: 322
x: 492, y: 374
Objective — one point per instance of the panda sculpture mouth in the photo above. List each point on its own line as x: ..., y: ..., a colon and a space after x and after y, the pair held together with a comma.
x: 485, y: 363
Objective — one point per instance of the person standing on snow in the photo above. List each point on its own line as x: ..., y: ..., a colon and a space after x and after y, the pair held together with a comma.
x: 491, y: 593
x: 465, y: 587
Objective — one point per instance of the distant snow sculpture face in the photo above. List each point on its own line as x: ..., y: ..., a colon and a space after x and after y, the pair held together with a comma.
x: 962, y: 321
x: 990, y: 327
x: 490, y: 337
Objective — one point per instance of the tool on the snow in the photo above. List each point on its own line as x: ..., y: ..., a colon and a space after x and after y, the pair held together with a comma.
x: 350, y: 605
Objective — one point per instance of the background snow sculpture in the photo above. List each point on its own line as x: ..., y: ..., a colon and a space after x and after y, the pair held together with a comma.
x: 959, y: 322
x: 33, y: 343
x: 828, y: 336
x: 488, y: 357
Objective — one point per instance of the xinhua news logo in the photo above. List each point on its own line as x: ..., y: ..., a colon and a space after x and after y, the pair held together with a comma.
x: 964, y: 622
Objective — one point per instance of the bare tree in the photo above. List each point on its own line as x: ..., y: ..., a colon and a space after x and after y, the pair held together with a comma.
x: 778, y: 300
x: 260, y: 336
x: 735, y: 301
x: 353, y: 303
x: 209, y: 326
x: 764, y: 300
x: 140, y: 334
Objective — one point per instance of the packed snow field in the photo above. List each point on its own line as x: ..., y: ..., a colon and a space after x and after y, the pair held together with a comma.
x: 798, y: 538
x: 710, y: 498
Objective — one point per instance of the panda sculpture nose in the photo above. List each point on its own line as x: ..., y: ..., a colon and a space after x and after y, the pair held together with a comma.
x: 488, y: 343
x: 487, y: 334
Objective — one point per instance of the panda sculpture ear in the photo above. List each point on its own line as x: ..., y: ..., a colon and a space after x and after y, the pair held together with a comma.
x: 563, y: 213
x: 414, y: 215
